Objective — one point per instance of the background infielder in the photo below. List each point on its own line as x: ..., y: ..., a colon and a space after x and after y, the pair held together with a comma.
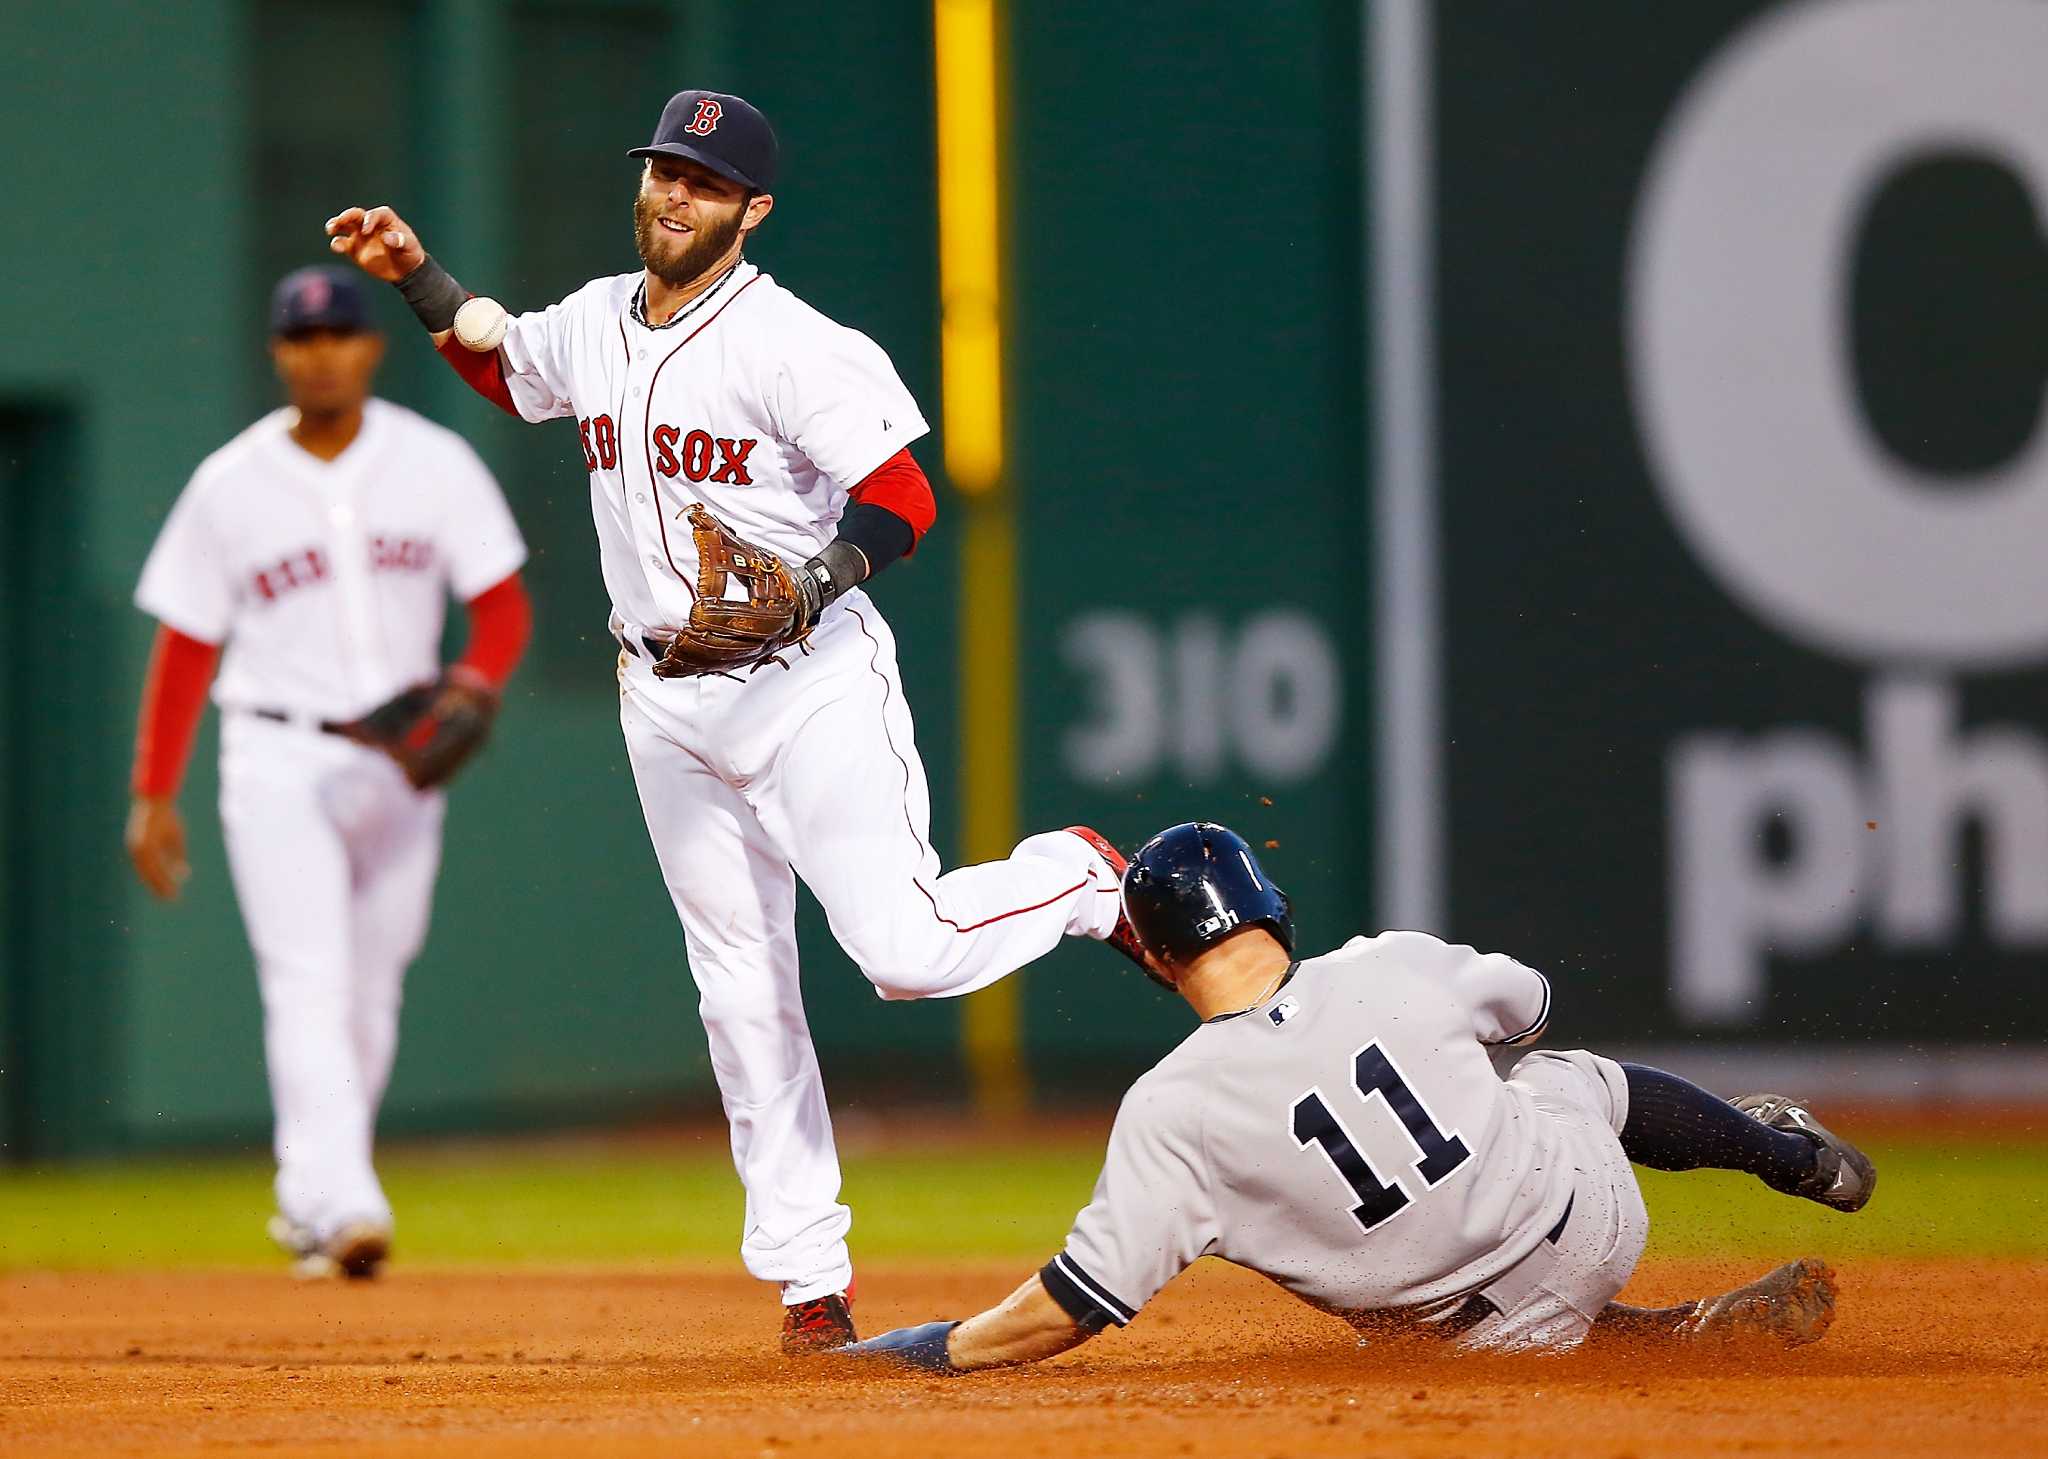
x: 701, y: 383
x: 320, y: 545
x: 1339, y: 1124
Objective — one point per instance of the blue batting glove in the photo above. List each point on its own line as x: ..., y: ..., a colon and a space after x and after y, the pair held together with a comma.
x: 923, y: 1346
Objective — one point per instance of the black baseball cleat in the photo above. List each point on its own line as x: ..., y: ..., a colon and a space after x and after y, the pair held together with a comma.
x: 1843, y: 1176
x: 1121, y: 937
x: 817, y: 1326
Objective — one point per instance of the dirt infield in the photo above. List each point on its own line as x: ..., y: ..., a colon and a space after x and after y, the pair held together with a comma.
x: 1926, y: 1358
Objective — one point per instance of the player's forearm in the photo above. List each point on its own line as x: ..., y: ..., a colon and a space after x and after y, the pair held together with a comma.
x: 1029, y: 1326
x: 900, y: 488
x: 484, y: 373
x: 890, y: 510
x: 870, y: 538
x: 433, y: 295
x: 500, y: 624
x: 173, y: 699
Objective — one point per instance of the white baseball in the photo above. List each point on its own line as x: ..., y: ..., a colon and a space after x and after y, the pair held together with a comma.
x: 480, y: 324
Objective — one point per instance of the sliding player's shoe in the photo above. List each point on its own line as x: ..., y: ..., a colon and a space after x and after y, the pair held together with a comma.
x: 1793, y: 1305
x: 1843, y: 1176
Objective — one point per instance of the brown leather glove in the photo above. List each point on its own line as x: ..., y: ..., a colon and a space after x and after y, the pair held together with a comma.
x: 431, y: 730
x: 724, y: 634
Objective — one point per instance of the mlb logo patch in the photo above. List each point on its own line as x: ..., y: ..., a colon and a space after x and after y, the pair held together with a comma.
x: 1285, y: 1009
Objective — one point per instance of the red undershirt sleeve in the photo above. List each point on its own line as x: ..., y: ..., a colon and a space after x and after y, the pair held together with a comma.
x: 173, y: 698
x: 899, y: 485
x: 483, y: 373
x: 500, y: 624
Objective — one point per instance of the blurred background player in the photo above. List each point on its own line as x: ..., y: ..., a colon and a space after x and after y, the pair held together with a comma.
x: 1338, y: 1124
x: 701, y: 380
x: 312, y: 556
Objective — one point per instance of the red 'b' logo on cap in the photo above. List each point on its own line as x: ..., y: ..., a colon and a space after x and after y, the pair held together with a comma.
x: 705, y: 122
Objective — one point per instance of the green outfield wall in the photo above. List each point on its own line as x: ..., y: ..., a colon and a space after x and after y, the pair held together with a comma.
x: 1744, y: 486
x: 176, y: 162
x: 1726, y: 348
x: 1189, y: 421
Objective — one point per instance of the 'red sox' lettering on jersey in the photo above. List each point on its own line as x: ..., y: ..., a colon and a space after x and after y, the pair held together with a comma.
x: 691, y: 455
x: 302, y: 569
x: 752, y: 403
x: 328, y: 581
x: 600, y: 443
x: 401, y: 554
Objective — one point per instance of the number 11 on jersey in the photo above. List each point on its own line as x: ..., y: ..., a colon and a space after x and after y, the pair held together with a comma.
x: 1437, y: 1154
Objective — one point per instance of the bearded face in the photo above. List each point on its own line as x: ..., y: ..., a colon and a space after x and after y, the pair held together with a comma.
x: 681, y: 241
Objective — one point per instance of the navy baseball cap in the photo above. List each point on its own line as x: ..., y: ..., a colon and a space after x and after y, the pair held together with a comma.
x: 725, y: 133
x: 320, y: 298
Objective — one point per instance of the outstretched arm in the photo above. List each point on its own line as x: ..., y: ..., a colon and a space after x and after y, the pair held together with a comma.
x: 384, y: 246
x: 1151, y: 1217
x: 1026, y: 1327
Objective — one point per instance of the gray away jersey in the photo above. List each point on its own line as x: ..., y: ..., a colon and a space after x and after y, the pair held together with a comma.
x: 1348, y: 1137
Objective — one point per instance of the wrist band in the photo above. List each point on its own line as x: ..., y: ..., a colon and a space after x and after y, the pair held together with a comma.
x: 839, y: 567
x: 433, y: 295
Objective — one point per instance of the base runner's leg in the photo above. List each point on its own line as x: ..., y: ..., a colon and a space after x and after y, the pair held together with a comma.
x: 1793, y: 1305
x: 1593, y: 1250
x: 1673, y: 1124
x: 846, y: 799
x: 291, y: 877
x: 396, y: 855
x: 736, y: 897
x: 1645, y: 1324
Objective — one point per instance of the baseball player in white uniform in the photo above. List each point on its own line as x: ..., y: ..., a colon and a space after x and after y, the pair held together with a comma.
x: 319, y: 546
x: 1342, y: 1124
x: 700, y: 382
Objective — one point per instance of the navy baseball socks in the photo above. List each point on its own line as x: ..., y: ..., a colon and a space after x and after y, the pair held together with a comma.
x: 1673, y: 1124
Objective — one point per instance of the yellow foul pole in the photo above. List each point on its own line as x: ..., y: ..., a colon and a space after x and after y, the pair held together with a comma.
x: 971, y: 388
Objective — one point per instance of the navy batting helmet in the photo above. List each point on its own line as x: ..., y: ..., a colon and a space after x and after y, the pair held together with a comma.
x: 1193, y: 885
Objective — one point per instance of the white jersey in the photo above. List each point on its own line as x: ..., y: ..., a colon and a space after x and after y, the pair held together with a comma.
x: 328, y: 580
x: 1348, y: 1137
x: 749, y: 401
x: 769, y: 414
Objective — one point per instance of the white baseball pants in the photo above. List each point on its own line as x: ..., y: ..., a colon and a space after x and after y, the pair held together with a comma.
x: 1550, y: 1300
x: 334, y: 857
x: 811, y: 771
